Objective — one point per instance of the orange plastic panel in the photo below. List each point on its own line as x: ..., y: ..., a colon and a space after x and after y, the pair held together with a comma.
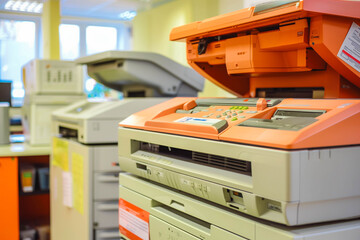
x: 290, y: 36
x: 9, y: 199
x: 327, y: 44
x: 335, y: 128
x: 243, y: 55
x: 333, y: 7
x: 303, y: 36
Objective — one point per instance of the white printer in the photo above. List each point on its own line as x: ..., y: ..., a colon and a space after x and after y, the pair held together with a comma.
x: 87, y: 137
x: 49, y: 85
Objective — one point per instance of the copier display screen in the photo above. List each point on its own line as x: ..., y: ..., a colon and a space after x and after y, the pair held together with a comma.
x: 296, y: 113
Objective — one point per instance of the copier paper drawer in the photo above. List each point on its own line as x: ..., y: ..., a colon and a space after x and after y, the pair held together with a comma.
x: 108, y: 234
x: 162, y: 230
x: 106, y: 159
x: 106, y: 214
x: 106, y: 186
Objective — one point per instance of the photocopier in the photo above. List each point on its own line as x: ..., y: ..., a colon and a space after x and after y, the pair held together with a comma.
x: 281, y: 160
x: 49, y: 85
x: 84, y: 168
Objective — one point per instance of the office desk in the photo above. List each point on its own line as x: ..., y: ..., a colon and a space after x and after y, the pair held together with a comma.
x: 15, y: 206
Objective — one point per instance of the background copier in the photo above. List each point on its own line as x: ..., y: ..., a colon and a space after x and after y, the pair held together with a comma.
x: 49, y: 85
x: 84, y: 169
x: 285, y: 153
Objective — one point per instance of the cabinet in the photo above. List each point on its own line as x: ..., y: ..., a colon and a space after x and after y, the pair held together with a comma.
x: 96, y: 217
x: 16, y: 207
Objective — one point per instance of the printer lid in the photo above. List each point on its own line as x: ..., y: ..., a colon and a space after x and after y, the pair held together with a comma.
x: 278, y: 44
x: 121, y: 69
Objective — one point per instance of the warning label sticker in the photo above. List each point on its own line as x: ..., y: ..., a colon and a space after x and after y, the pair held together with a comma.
x: 350, y: 49
x: 133, y: 221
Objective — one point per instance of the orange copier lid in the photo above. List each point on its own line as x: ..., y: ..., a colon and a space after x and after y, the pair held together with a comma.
x: 290, y: 48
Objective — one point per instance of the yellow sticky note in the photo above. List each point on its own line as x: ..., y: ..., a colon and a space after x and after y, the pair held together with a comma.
x: 60, y: 153
x: 77, y: 169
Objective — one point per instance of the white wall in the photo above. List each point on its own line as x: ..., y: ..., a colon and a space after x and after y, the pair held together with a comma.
x: 226, y: 6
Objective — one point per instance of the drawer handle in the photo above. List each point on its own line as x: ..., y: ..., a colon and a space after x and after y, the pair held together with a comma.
x: 108, y: 207
x: 105, y: 235
x: 109, y: 178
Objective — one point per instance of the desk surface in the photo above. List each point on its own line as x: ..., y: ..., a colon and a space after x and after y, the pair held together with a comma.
x: 23, y: 149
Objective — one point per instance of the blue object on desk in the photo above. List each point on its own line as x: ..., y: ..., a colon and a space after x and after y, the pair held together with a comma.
x: 43, y: 178
x: 17, y: 138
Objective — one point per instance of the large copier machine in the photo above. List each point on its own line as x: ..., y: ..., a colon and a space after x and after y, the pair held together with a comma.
x: 84, y: 169
x: 284, y: 153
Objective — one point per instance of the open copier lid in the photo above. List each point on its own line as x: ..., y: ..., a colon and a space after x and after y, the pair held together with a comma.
x: 301, y: 48
x: 143, y: 74
x: 145, y: 79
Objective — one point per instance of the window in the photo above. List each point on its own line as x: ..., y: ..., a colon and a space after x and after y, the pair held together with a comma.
x: 99, y: 39
x: 17, y: 47
x: 20, y: 42
x: 80, y: 38
x: 69, y: 41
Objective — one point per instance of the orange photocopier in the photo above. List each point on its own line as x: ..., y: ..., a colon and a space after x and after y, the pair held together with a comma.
x: 283, y: 156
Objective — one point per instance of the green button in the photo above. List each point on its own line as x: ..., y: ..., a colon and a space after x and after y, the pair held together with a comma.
x: 240, y: 111
x: 234, y: 119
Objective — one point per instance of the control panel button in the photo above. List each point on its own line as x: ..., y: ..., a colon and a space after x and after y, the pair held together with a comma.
x: 218, y: 116
x: 234, y: 114
x: 251, y: 111
x: 234, y: 119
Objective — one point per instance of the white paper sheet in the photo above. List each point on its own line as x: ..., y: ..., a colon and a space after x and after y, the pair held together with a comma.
x: 67, y: 189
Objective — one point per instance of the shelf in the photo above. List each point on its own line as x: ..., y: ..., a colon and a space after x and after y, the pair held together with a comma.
x: 37, y: 192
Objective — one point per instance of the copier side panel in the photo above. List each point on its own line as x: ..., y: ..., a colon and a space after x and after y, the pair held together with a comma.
x: 66, y: 221
x: 329, y: 184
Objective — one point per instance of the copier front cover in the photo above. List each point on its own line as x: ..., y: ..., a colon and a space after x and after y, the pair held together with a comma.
x: 152, y: 211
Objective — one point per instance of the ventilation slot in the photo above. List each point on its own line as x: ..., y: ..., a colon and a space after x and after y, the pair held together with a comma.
x: 225, y: 163
x: 222, y: 162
